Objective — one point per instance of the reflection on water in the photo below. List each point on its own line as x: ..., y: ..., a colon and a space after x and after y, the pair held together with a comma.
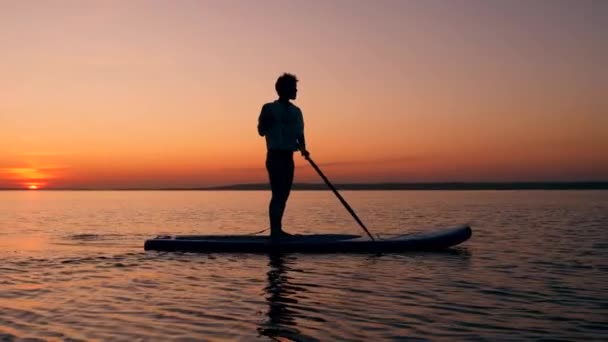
x: 72, y: 267
x: 280, y: 295
x: 24, y: 243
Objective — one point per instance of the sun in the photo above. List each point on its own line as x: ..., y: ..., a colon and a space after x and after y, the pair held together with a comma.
x: 34, y: 185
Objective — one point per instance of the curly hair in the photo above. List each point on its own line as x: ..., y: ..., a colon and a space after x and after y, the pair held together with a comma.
x: 285, y: 82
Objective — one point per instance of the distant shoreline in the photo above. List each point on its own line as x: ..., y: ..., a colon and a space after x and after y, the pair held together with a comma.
x: 368, y: 186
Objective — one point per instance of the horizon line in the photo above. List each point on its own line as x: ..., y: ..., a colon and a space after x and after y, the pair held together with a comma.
x: 519, y: 185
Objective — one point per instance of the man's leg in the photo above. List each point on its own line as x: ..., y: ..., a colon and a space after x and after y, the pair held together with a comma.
x: 280, y: 171
x: 286, y: 182
x: 273, y: 207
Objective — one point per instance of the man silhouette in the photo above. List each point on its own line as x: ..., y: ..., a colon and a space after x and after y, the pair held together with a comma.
x: 282, y: 124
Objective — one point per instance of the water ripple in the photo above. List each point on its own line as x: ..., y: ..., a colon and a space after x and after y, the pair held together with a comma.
x: 536, y: 269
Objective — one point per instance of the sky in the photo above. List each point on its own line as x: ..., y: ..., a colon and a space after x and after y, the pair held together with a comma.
x: 127, y: 93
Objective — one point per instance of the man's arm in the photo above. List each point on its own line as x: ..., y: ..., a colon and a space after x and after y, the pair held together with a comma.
x: 264, y: 121
x: 302, y: 142
x: 301, y: 139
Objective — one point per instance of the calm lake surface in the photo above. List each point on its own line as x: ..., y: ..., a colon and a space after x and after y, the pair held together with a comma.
x: 72, y: 267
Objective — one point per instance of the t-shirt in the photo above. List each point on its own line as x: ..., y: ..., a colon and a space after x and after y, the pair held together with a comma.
x: 282, y: 125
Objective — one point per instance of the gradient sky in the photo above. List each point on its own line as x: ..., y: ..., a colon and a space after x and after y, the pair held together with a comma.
x: 167, y: 93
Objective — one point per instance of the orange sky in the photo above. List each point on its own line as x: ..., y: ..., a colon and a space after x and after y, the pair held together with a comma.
x: 165, y: 93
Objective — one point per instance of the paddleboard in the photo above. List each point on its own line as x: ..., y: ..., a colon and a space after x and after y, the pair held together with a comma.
x: 316, y: 243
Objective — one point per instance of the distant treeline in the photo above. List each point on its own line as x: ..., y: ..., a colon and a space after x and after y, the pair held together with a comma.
x: 387, y: 186
x: 434, y: 186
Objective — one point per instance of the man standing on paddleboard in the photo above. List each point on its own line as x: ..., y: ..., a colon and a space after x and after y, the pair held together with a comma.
x: 282, y: 124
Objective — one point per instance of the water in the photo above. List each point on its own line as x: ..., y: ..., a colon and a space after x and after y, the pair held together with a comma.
x: 72, y: 267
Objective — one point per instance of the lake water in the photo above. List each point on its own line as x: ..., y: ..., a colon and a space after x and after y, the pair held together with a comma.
x: 72, y: 267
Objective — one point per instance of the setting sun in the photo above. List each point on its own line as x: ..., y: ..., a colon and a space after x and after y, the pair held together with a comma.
x: 33, y: 187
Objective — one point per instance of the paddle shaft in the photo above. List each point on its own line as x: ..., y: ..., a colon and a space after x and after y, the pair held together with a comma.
x: 350, y: 210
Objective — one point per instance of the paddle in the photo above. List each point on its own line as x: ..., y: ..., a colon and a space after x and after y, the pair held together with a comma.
x: 350, y: 210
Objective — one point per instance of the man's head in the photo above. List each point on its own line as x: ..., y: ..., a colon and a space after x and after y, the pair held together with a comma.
x: 287, y: 86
